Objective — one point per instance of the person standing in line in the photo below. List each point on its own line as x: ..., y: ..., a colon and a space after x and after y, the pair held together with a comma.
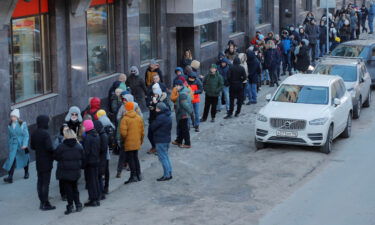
x: 91, y: 144
x: 213, y: 84
x: 303, y: 58
x: 74, y: 120
x: 162, y: 128
x: 152, y: 70
x: 364, y: 15
x: 223, y: 71
x: 236, y: 78
x: 371, y: 15
x: 286, y: 46
x: 255, y: 71
x: 103, y: 153
x: 132, y: 133
x: 313, y: 31
x: 18, y: 141
x: 184, y: 112
x: 41, y: 143
x: 93, y: 108
x: 70, y: 158
x: 197, y: 89
x: 271, y: 59
x: 137, y: 87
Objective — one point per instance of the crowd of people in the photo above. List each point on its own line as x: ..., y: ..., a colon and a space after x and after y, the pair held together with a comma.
x: 89, y: 137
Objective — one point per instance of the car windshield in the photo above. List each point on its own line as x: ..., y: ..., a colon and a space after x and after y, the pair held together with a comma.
x: 350, y: 51
x: 348, y: 73
x: 302, y: 94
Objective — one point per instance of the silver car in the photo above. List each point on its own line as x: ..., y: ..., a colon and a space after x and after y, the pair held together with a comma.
x: 355, y: 75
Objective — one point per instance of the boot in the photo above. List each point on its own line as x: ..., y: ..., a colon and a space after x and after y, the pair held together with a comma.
x: 69, y: 209
x: 106, y: 190
x: 132, y: 179
x: 92, y: 203
x: 151, y: 151
x: 139, y: 177
x: 27, y: 175
x: 118, y: 175
x: 8, y: 179
x: 228, y: 116
x: 47, y: 206
x: 197, y: 129
x: 79, y: 207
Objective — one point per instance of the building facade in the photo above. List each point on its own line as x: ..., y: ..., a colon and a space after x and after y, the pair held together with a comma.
x: 55, y: 54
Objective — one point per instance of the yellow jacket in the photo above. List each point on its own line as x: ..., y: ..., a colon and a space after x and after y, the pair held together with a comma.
x: 132, y: 131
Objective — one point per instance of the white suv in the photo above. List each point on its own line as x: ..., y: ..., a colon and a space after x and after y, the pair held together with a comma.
x: 305, y: 110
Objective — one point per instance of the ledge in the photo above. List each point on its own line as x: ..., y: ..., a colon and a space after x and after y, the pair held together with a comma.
x: 147, y: 62
x: 206, y: 44
x: 106, y: 77
x: 262, y: 26
x: 33, y: 101
x: 234, y: 35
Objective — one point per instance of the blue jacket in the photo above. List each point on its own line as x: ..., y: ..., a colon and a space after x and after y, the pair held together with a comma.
x: 286, y: 44
x: 223, y: 71
x: 161, y: 127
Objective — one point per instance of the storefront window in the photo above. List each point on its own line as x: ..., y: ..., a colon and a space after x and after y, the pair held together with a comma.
x: 208, y: 33
x: 261, y: 8
x: 30, y: 74
x: 234, y: 14
x: 100, y: 40
x: 147, y: 24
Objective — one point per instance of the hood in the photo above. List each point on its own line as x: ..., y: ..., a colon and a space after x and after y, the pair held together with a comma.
x: 236, y: 61
x: 179, y: 69
x: 73, y: 109
x: 220, y: 55
x: 131, y: 114
x: 242, y: 57
x: 134, y: 68
x: 293, y: 110
x: 42, y: 121
x: 95, y: 104
x: 225, y: 60
x: 98, y: 126
x: 250, y: 56
x: 106, y: 121
x: 70, y: 142
x: 193, y: 74
x: 129, y: 97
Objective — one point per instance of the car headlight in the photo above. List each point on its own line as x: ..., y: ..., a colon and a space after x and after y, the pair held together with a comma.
x: 320, y: 121
x: 261, y: 117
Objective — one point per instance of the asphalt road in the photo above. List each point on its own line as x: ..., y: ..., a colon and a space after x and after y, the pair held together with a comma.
x: 344, y: 192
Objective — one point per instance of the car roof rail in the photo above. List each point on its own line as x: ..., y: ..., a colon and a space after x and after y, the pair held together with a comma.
x: 343, y: 57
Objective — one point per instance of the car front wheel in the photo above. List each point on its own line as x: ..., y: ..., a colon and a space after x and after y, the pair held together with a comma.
x: 368, y: 101
x: 327, y: 147
x: 348, y: 129
x: 357, y: 109
x: 259, y: 145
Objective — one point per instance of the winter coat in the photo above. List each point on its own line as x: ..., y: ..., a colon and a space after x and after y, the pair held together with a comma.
x: 196, y: 87
x: 286, y: 45
x: 185, y: 62
x: 303, y: 59
x: 17, y: 137
x: 242, y: 57
x: 178, y: 77
x: 184, y: 107
x: 236, y: 75
x: 116, y: 103
x: 137, y: 86
x: 91, y: 145
x: 152, y: 105
x: 132, y: 131
x: 313, y: 31
x: 161, y: 127
x: 103, y: 146
x: 112, y: 90
x: 70, y: 160
x: 353, y: 21
x: 323, y: 34
x: 149, y: 76
x: 41, y: 143
x: 213, y: 84
x: 223, y: 71
x: 345, y: 33
x: 271, y: 58
x: 230, y: 56
x: 254, y: 67
x: 121, y: 112
x: 303, y: 36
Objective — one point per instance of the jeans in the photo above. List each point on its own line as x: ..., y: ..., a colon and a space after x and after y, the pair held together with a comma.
x: 323, y: 49
x: 162, y: 149
x: 196, y: 114
x: 43, y: 185
x: 314, y: 51
x: 253, y: 92
x: 226, y: 98
x: 265, y: 75
x: 247, y: 91
x: 183, y: 133
x: 72, y: 193
x: 371, y: 23
x: 210, y: 103
x: 273, y: 76
x: 287, y: 62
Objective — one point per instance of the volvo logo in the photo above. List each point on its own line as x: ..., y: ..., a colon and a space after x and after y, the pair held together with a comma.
x: 287, y: 124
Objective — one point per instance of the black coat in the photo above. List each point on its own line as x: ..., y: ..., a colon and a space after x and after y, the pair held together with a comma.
x: 162, y: 127
x: 236, y: 74
x: 69, y: 156
x: 137, y: 86
x: 42, y: 144
x: 303, y: 59
x: 103, y: 145
x: 313, y: 31
x: 91, y: 145
x: 254, y: 68
x: 271, y: 58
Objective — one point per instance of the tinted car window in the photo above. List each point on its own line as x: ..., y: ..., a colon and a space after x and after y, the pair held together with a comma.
x: 350, y: 51
x: 348, y: 73
x: 302, y: 94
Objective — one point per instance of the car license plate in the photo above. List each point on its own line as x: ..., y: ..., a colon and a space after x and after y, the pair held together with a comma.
x: 283, y: 133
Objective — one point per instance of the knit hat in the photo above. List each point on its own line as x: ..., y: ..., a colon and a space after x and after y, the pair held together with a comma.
x: 16, y: 113
x: 88, y: 125
x: 213, y: 66
x: 162, y: 106
x: 156, y: 89
x: 195, y: 64
x: 101, y: 113
x: 179, y: 82
x: 73, y: 109
x: 129, y: 106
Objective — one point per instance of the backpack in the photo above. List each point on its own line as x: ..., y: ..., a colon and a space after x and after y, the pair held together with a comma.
x: 111, y: 133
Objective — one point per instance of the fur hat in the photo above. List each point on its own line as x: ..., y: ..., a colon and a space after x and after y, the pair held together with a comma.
x: 88, y: 125
x: 129, y: 106
x: 195, y: 64
x: 156, y: 89
x: 73, y: 109
x: 134, y: 69
x: 16, y: 113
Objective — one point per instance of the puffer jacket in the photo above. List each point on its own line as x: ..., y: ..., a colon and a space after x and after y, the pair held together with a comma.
x: 196, y: 87
x: 213, y: 84
x: 184, y: 107
x: 161, y: 127
x: 70, y: 157
x: 91, y: 144
x: 236, y: 74
x: 132, y: 131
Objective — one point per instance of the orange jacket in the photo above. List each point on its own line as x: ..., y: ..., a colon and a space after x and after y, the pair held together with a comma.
x: 174, y: 94
x: 132, y: 131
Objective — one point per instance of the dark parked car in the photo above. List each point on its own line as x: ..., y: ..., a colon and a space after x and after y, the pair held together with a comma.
x: 364, y: 49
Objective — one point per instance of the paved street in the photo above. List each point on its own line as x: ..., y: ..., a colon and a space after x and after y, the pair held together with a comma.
x: 221, y: 180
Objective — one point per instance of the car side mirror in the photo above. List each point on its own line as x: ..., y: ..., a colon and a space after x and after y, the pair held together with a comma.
x: 268, y: 97
x: 361, y: 80
x: 337, y: 102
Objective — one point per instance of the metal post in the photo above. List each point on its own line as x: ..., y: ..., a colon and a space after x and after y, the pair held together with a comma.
x: 327, y: 20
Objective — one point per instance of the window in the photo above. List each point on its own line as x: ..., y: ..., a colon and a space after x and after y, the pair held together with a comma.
x: 208, y: 32
x: 30, y: 69
x: 147, y: 29
x: 307, y: 5
x: 261, y: 12
x: 302, y: 94
x: 347, y: 73
x: 350, y: 51
x: 100, y: 38
x: 233, y: 11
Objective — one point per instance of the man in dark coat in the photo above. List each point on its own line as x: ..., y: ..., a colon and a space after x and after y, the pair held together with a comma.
x: 213, y: 84
x: 42, y: 144
x: 223, y: 71
x: 254, y: 71
x: 102, y: 155
x: 313, y: 31
x: 137, y: 87
x: 236, y: 78
x: 91, y: 144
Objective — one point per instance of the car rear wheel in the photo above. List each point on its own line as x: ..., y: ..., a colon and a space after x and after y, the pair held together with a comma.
x: 348, y: 129
x: 327, y: 147
x: 357, y: 109
x: 259, y: 145
x: 368, y: 101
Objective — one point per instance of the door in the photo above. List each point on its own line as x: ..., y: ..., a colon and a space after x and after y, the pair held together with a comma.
x: 366, y: 82
x: 339, y: 110
x: 185, y: 41
x: 370, y: 63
